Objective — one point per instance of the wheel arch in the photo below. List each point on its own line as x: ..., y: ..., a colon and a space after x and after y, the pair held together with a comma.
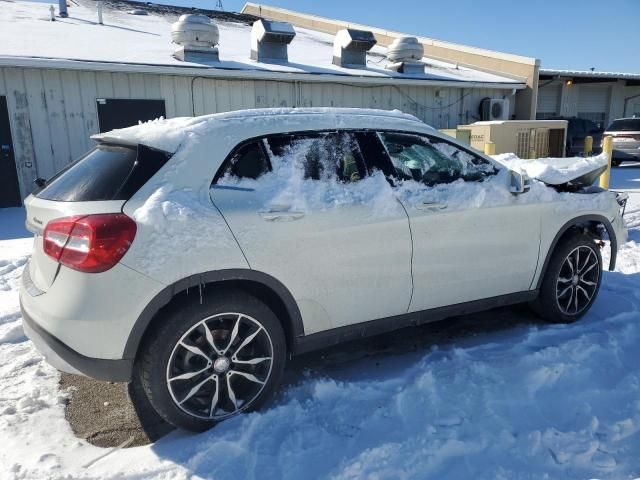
x: 584, y: 222
x: 261, y: 285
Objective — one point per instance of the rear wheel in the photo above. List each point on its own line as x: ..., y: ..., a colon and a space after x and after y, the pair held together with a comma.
x: 571, y: 281
x: 208, y: 362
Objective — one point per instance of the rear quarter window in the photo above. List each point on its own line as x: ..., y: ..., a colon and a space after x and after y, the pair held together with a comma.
x: 107, y: 172
x: 626, y: 125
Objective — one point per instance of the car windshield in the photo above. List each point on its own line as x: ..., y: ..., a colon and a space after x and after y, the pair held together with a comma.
x: 625, y: 125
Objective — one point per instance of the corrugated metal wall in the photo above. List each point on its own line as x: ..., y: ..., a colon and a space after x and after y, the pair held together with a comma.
x: 53, y: 112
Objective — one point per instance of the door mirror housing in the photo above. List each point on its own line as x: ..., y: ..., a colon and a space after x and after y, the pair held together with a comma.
x: 519, y: 182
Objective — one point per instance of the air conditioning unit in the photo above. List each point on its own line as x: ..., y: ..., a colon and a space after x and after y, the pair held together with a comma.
x: 494, y: 109
x: 525, y: 138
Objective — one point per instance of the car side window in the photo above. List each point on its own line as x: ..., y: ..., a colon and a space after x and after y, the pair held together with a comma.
x: 432, y: 160
x: 249, y: 161
x: 320, y: 156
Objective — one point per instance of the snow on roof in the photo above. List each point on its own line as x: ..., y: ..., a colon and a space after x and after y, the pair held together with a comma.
x: 592, y: 74
x: 168, y: 134
x: 146, y: 41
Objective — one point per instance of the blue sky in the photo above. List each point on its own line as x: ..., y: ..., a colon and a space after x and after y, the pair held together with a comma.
x: 573, y: 34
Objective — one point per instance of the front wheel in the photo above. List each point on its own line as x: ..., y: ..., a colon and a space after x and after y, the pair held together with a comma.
x: 571, y: 281
x: 208, y: 362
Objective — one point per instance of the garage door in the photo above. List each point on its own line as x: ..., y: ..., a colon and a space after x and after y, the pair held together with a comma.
x: 549, y: 101
x: 593, y: 102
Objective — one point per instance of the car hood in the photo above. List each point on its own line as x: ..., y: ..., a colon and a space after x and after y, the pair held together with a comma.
x: 576, y: 171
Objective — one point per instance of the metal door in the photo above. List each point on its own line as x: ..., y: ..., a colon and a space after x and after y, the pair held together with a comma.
x: 9, y: 186
x: 124, y: 112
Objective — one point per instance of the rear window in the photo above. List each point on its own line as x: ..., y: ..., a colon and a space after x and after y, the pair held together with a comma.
x: 626, y: 125
x: 108, y: 172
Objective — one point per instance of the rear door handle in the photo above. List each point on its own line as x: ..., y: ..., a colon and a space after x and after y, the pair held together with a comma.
x: 281, y: 213
x: 431, y: 206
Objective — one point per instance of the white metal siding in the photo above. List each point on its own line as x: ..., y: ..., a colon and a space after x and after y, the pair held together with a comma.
x: 549, y: 99
x: 53, y: 112
x: 593, y: 98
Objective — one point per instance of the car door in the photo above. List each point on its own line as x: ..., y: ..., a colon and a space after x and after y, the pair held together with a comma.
x: 472, y: 239
x: 304, y: 211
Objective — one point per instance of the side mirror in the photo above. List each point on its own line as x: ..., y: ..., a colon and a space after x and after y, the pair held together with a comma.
x: 519, y: 182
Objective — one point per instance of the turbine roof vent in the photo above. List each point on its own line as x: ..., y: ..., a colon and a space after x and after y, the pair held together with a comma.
x: 197, y: 36
x: 350, y: 47
x: 405, y: 56
x: 269, y: 41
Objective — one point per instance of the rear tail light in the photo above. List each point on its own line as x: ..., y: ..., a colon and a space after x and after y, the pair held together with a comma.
x: 89, y: 243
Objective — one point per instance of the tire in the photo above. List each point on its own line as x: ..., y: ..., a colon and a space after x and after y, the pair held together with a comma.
x: 206, y: 362
x: 565, y: 296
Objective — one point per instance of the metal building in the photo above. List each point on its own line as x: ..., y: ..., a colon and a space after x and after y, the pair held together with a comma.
x: 597, y: 96
x: 77, y: 77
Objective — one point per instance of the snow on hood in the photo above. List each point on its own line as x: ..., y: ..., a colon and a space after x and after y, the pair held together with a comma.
x: 554, y: 171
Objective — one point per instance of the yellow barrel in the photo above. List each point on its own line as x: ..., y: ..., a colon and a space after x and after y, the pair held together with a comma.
x: 588, y: 146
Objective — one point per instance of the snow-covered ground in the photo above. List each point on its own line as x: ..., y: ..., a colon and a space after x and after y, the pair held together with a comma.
x: 534, y: 401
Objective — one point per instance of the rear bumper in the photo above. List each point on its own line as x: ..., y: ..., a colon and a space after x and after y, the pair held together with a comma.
x: 65, y: 359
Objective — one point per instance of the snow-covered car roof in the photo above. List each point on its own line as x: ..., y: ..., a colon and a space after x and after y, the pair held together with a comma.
x: 143, y: 43
x: 169, y: 134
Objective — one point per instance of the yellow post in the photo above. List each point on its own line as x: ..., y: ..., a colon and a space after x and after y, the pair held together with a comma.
x: 489, y: 148
x: 588, y: 146
x: 607, y: 147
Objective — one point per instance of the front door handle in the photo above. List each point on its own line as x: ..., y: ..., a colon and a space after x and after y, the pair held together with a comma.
x: 431, y: 206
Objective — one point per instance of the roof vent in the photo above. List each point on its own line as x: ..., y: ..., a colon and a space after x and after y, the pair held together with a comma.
x: 269, y: 41
x: 405, y: 56
x: 350, y: 47
x: 197, y: 37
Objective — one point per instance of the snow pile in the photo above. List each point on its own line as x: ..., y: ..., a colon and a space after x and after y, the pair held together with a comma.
x: 553, y: 171
x: 528, y: 401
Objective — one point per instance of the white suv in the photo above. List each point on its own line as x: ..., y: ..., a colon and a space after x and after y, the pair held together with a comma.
x: 192, y: 256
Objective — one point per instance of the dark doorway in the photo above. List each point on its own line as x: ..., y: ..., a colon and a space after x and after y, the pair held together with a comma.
x: 120, y: 113
x: 556, y: 143
x: 9, y: 186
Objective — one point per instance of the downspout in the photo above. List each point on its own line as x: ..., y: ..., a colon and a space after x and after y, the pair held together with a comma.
x: 298, y: 93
